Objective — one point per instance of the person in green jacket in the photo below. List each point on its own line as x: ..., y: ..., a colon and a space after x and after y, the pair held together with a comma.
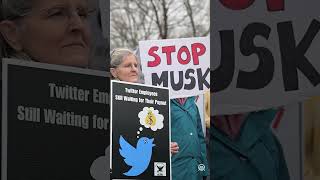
x: 246, y: 149
x: 190, y: 161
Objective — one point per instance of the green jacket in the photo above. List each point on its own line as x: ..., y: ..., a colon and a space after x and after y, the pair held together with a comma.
x: 186, y: 130
x: 256, y: 155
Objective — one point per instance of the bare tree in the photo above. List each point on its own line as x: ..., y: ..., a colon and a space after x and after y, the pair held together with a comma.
x: 190, y: 15
x: 136, y: 20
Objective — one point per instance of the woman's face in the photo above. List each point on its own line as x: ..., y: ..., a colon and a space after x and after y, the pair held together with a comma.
x: 57, y: 32
x: 127, y: 70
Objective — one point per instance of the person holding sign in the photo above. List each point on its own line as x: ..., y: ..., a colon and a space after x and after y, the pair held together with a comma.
x: 52, y: 32
x: 48, y: 31
x: 188, y: 149
x: 186, y: 129
x: 124, y: 67
x: 243, y: 147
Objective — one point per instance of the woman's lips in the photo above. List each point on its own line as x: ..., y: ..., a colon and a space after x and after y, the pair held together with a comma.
x: 75, y: 44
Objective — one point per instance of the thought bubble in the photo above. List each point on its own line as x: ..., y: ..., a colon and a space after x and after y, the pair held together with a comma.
x: 150, y: 118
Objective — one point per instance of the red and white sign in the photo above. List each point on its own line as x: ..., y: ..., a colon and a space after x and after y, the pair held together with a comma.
x: 180, y: 64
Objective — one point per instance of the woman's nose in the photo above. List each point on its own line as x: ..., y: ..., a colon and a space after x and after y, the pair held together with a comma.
x: 134, y: 68
x: 76, y: 23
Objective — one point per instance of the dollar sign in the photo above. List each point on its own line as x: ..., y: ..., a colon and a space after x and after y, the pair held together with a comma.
x: 150, y: 119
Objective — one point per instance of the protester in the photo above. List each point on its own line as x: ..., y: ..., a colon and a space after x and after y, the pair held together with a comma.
x: 124, y: 67
x: 48, y: 31
x: 186, y: 129
x: 188, y: 146
x: 243, y: 147
x: 53, y: 32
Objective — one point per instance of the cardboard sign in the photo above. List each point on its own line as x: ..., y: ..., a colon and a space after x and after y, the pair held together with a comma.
x: 180, y: 64
x: 140, y: 144
x: 264, y: 54
x: 55, y: 121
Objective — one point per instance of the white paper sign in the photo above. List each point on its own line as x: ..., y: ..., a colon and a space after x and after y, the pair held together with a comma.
x: 180, y: 64
x: 264, y: 54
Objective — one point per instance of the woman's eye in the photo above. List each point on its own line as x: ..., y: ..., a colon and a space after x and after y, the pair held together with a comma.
x: 83, y: 13
x: 56, y: 12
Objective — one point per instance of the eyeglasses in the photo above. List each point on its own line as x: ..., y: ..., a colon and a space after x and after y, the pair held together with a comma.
x: 58, y: 13
x: 129, y: 65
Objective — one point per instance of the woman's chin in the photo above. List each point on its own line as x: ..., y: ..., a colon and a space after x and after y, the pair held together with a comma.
x: 77, y: 61
x: 133, y: 80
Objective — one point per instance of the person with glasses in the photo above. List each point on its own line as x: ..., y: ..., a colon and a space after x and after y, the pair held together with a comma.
x: 188, y: 148
x: 48, y: 31
x: 124, y: 67
x: 53, y: 32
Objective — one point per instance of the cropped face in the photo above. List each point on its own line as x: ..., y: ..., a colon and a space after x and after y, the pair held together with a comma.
x: 127, y: 70
x: 57, y: 32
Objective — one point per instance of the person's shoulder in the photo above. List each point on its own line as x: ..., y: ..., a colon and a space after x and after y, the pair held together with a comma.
x: 267, y: 114
x: 261, y: 119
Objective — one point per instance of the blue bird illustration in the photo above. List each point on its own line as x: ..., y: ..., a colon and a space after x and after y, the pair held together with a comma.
x: 139, y: 157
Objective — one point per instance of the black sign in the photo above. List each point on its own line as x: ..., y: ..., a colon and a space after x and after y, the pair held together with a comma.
x: 140, y: 132
x: 55, y: 122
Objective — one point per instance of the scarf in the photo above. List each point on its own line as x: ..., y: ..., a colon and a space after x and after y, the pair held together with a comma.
x: 230, y: 124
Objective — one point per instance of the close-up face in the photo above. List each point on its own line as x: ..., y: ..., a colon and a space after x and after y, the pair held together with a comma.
x: 127, y: 70
x: 57, y: 32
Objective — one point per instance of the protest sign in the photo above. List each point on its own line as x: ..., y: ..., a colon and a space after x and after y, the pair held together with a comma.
x: 263, y: 54
x: 140, y: 144
x: 180, y: 64
x: 55, y: 121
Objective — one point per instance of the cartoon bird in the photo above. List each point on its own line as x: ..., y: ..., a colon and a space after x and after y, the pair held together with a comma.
x: 139, y: 157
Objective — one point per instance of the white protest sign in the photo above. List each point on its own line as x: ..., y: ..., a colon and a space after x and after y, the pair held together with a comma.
x: 264, y: 54
x: 180, y: 64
